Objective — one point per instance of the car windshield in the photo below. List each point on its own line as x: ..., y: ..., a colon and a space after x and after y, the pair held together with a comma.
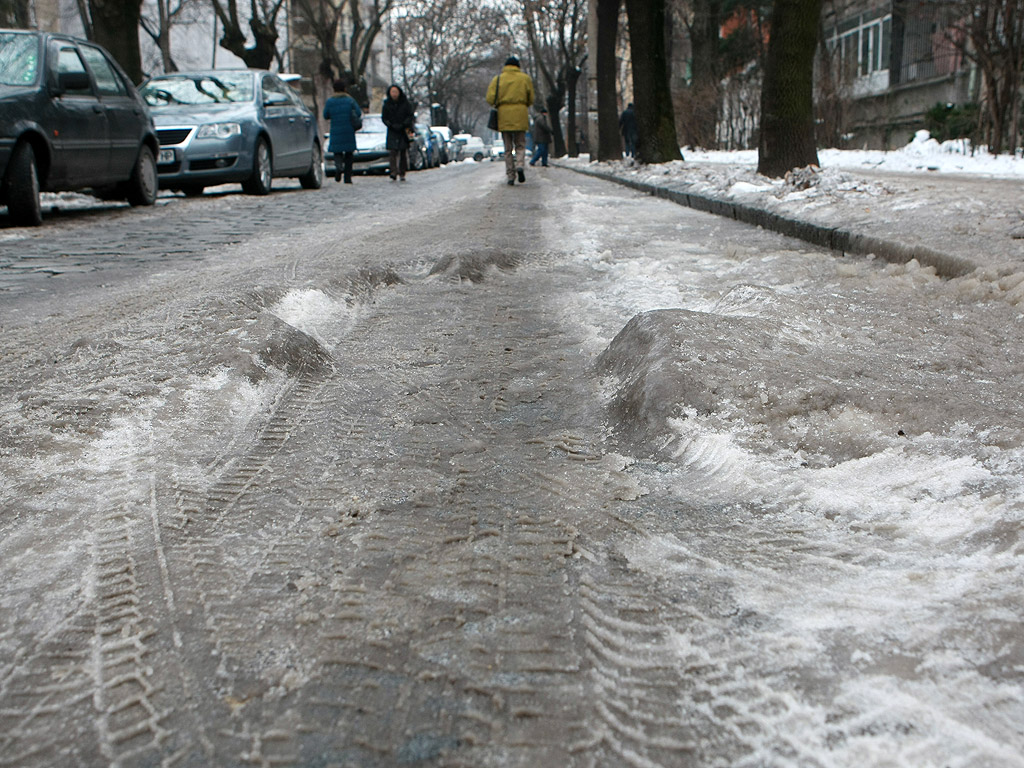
x: 212, y: 88
x: 373, y: 124
x: 19, y: 58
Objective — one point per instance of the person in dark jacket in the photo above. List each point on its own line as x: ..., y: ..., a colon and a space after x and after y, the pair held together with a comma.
x: 343, y: 112
x: 398, y: 116
x: 628, y: 129
x: 541, y: 138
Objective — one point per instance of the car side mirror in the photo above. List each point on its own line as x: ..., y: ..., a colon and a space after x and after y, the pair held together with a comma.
x: 73, y: 81
x: 274, y: 100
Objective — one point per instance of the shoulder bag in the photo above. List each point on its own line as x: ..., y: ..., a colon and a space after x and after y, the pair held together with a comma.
x: 492, y: 119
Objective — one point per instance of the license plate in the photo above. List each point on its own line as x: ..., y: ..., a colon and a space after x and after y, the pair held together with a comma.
x: 166, y: 157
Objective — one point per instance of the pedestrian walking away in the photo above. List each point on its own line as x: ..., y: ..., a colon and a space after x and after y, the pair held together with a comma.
x: 511, y: 93
x: 346, y: 118
x: 397, y: 114
x: 628, y: 129
x: 541, y: 138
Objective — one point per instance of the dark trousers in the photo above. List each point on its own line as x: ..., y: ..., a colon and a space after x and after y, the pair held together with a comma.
x: 540, y: 152
x: 398, y: 162
x: 343, y: 164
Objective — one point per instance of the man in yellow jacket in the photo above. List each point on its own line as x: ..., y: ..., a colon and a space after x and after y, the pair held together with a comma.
x: 511, y: 93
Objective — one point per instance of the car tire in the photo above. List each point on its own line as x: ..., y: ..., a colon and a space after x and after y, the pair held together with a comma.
x: 479, y: 157
x: 417, y: 162
x: 23, y: 187
x: 262, y: 170
x: 314, y: 177
x: 142, y: 187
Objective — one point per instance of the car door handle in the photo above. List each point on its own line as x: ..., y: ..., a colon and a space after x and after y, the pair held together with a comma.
x: 291, y: 119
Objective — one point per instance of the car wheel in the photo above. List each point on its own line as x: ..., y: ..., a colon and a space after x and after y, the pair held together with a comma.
x: 479, y: 157
x: 23, y: 187
x: 143, y: 184
x: 417, y: 160
x: 262, y: 171
x: 314, y: 177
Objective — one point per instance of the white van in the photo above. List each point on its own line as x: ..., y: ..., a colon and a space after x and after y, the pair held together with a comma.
x: 472, y: 147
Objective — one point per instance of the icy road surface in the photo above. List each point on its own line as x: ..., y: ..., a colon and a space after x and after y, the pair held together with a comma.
x: 457, y: 474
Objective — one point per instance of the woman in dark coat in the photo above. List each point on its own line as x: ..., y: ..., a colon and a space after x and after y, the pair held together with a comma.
x: 343, y: 112
x: 398, y: 116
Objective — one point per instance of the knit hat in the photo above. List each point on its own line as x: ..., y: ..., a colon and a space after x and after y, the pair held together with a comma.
x: 511, y: 61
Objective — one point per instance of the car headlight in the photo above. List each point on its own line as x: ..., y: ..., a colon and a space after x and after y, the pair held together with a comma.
x: 219, y: 131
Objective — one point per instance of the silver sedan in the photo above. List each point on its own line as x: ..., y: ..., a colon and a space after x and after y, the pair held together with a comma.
x: 232, y: 126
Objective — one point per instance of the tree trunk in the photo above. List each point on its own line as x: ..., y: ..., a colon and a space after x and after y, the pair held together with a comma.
x: 115, y: 26
x: 787, y: 94
x: 323, y: 88
x: 163, y: 40
x: 609, y: 143
x: 656, y: 125
x: 16, y: 14
x: 572, y: 78
x: 703, y: 94
x: 554, y: 104
x: 264, y: 32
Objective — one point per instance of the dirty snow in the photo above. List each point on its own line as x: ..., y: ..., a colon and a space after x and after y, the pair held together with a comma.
x: 823, y: 481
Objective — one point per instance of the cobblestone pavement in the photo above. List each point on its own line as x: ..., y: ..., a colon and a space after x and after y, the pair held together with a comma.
x: 97, y: 237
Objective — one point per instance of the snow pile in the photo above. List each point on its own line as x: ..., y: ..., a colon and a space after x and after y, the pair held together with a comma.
x: 313, y: 312
x: 922, y: 153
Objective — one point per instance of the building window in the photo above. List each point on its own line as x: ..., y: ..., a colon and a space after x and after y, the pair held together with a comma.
x: 862, y: 43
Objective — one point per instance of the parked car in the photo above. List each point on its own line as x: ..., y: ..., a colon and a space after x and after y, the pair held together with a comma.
x: 444, y: 139
x: 232, y: 126
x: 422, y: 150
x: 440, y: 148
x: 371, y: 146
x: 69, y: 119
x: 472, y: 147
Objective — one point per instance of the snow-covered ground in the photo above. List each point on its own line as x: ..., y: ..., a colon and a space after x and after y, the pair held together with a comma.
x: 968, y: 208
x: 827, y: 472
x: 785, y: 487
x: 922, y: 154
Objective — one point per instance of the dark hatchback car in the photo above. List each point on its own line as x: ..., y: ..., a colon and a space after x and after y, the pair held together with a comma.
x: 227, y: 126
x: 69, y: 119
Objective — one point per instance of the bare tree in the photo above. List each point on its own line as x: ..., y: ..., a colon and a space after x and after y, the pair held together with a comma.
x: 114, y: 24
x: 322, y: 20
x: 992, y: 35
x: 437, y: 43
x: 787, y: 94
x: 703, y: 96
x: 262, y: 24
x: 609, y: 142
x: 157, y: 22
x: 557, y: 31
x: 657, y: 142
x: 326, y: 21
x: 367, y: 22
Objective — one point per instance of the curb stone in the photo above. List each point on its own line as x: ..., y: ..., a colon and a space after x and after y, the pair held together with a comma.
x: 843, y: 241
